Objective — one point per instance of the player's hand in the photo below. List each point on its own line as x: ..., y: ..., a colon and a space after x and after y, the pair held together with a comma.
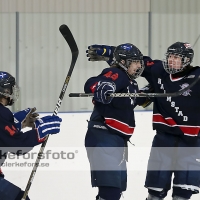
x: 102, y: 90
x: 147, y: 89
x: 48, y: 125
x: 100, y: 53
x: 25, y: 118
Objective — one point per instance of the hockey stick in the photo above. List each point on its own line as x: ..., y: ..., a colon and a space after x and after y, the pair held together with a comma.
x: 65, y: 31
x: 196, y: 41
x: 174, y: 94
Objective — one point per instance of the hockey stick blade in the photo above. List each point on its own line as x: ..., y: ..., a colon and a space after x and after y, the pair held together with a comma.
x: 174, y: 94
x: 65, y: 31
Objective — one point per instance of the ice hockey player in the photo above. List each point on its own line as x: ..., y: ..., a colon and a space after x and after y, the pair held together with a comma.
x: 12, y: 139
x: 175, y: 119
x: 112, y: 121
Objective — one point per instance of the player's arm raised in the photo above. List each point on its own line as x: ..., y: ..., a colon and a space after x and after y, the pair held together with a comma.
x: 98, y: 52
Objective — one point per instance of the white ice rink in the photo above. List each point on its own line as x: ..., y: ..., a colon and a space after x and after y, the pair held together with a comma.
x: 69, y: 179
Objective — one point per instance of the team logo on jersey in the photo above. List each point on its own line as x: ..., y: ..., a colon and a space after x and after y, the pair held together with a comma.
x: 186, y: 93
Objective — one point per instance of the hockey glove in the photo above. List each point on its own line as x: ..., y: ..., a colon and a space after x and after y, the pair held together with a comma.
x: 48, y: 125
x: 25, y: 118
x: 147, y: 89
x: 100, y: 53
x: 102, y: 90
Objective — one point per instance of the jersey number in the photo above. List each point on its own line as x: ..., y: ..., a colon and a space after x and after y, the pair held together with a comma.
x: 11, y: 130
x: 111, y: 75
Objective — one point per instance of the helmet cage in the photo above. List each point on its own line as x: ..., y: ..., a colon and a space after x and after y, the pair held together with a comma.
x: 126, y: 66
x: 185, y: 61
x: 184, y: 51
x: 12, y: 94
x: 139, y: 71
x: 8, y: 88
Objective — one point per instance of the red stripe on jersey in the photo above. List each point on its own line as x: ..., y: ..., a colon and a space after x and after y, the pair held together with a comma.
x: 93, y: 87
x: 119, y: 126
x: 187, y: 130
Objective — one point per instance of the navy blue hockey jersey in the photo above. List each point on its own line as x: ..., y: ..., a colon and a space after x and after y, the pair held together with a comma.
x: 176, y: 115
x: 11, y: 139
x: 118, y: 115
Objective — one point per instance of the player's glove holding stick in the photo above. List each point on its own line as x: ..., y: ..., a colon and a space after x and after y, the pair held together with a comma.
x: 102, y: 90
x: 100, y: 53
x: 147, y: 89
x: 47, y: 125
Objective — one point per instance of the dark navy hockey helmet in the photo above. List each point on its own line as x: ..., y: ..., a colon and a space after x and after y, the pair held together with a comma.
x: 8, y: 87
x: 129, y: 53
x: 181, y: 49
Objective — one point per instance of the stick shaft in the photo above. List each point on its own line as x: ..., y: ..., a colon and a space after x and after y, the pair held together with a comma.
x: 174, y: 94
x: 65, y: 31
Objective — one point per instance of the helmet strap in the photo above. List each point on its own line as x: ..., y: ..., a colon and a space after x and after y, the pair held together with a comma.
x: 124, y: 68
x: 186, y: 62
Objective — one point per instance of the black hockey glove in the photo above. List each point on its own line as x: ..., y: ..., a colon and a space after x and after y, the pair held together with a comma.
x: 147, y: 89
x: 102, y: 90
x: 100, y: 53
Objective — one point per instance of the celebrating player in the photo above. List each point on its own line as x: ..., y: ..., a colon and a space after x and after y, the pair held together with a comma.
x: 112, y: 121
x: 11, y: 137
x: 175, y: 119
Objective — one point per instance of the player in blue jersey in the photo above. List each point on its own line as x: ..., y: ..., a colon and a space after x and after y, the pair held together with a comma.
x: 12, y: 139
x: 112, y: 121
x: 175, y: 119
